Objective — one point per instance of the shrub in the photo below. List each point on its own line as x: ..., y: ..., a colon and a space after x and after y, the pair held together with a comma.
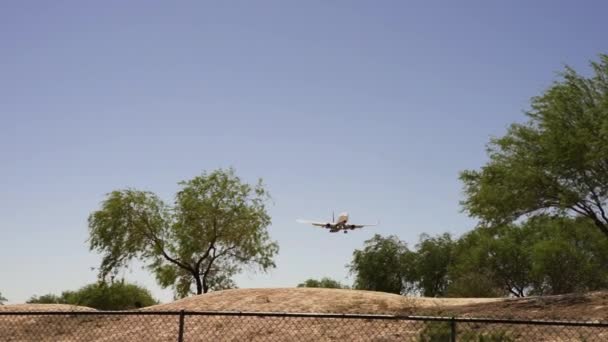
x: 102, y: 296
x: 442, y: 332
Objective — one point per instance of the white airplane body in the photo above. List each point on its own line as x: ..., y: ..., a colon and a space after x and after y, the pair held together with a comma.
x: 338, y: 225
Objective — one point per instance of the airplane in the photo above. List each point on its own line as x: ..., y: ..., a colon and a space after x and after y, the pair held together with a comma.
x: 336, y: 226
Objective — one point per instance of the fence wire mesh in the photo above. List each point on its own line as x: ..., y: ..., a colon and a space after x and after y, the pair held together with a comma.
x: 230, y: 326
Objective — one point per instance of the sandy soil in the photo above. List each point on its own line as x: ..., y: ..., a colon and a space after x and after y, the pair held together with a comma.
x: 313, y: 300
x: 141, y: 327
x: 43, y: 307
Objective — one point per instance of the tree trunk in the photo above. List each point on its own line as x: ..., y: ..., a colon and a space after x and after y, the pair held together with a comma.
x: 601, y: 225
x: 205, y: 286
x: 199, y: 284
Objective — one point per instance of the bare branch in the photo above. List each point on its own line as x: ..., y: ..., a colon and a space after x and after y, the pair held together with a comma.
x: 598, y: 204
x: 160, y: 245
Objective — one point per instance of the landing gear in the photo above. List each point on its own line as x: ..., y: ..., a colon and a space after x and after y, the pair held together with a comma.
x: 346, y: 232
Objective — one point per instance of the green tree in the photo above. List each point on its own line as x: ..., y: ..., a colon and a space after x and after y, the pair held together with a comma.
x: 216, y: 226
x: 434, y: 256
x: 544, y: 255
x: 2, y: 299
x: 509, y: 259
x: 492, y: 262
x: 325, y: 282
x: 470, y: 273
x: 474, y: 285
x: 558, y: 268
x: 102, y: 296
x: 557, y: 162
x: 47, y: 299
x: 567, y: 256
x: 385, y: 264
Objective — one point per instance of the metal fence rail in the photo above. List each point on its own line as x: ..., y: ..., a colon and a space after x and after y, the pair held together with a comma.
x: 272, y: 326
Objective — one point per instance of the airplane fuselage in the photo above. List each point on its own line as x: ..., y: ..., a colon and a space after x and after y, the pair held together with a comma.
x: 339, y: 224
x: 342, y: 218
x: 334, y: 226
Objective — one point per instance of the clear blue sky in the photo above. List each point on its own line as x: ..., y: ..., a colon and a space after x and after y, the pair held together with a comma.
x: 367, y: 106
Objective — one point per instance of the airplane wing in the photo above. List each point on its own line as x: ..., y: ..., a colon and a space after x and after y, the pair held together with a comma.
x: 315, y: 223
x: 364, y: 225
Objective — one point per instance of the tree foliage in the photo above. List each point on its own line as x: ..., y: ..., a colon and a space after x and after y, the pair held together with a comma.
x: 384, y: 264
x: 2, y: 299
x: 498, y: 259
x: 433, y: 257
x: 567, y: 256
x: 545, y: 255
x: 47, y: 299
x: 324, y: 282
x: 102, y: 296
x: 556, y: 162
x: 216, y: 227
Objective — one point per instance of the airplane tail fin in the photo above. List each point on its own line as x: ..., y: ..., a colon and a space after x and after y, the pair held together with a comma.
x: 333, y: 219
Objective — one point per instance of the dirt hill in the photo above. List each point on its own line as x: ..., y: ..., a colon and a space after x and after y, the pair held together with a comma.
x: 43, y: 307
x: 313, y: 300
x: 592, y: 306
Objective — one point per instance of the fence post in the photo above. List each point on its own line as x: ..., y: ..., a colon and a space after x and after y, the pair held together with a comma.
x: 453, y: 330
x: 180, y: 334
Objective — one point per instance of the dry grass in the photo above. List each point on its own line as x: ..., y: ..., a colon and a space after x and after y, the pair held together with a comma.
x: 313, y: 300
x: 593, y: 306
x: 43, y: 307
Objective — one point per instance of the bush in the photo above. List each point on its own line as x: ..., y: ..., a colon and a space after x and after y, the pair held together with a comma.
x: 476, y: 285
x: 325, y: 282
x: 102, y: 296
x: 492, y: 336
x: 435, y: 332
x: 47, y: 299
x: 442, y: 332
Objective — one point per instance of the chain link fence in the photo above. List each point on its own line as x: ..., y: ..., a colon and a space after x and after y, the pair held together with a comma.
x: 236, y: 326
